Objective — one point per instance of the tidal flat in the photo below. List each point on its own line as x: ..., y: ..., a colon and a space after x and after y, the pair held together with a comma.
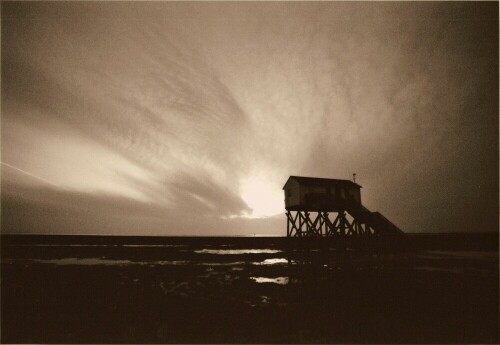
x: 74, y: 289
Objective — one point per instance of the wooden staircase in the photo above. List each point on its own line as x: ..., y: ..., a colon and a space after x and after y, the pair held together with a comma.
x: 380, y: 224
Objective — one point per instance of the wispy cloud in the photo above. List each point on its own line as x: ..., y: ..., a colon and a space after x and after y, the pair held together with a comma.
x: 38, y: 178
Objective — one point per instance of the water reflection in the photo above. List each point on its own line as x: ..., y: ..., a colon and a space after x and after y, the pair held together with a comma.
x: 237, y: 251
x: 277, y: 261
x: 112, y: 262
x: 236, y: 263
x: 100, y: 245
x: 441, y: 254
x: 278, y: 280
x: 84, y: 261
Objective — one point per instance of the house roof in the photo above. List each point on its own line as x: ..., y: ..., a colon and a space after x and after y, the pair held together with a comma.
x: 318, y: 181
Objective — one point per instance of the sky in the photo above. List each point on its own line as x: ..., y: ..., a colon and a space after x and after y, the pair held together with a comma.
x: 186, y: 118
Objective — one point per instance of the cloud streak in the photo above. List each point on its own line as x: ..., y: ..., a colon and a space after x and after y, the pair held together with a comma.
x: 30, y: 174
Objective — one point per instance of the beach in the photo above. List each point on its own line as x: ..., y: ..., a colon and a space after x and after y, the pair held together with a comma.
x: 245, y: 290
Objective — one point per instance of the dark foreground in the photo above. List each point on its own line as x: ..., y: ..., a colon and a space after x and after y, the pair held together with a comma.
x: 247, y: 290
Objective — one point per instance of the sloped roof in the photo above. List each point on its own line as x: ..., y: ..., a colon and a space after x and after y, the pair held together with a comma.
x: 318, y: 181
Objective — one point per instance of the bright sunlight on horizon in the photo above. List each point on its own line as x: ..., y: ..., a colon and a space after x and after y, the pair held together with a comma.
x: 263, y: 197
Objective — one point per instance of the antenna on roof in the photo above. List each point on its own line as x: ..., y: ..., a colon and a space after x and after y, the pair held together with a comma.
x: 354, y: 177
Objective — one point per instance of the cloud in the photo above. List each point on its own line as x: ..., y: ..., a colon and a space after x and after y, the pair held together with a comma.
x: 181, y: 106
x: 42, y: 210
x: 162, y: 110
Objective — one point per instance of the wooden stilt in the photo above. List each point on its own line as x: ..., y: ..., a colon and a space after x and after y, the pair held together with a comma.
x: 319, y: 224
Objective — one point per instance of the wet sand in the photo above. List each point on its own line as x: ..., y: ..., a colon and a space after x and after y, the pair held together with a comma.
x: 244, y: 291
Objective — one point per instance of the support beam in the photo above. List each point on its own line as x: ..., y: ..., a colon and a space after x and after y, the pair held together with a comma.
x: 308, y: 224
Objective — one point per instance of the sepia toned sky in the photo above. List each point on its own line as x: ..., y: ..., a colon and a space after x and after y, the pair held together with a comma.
x: 186, y: 118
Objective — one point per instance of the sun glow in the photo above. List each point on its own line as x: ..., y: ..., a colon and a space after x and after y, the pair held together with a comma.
x: 263, y: 197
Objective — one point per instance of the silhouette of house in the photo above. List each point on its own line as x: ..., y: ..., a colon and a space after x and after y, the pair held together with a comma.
x: 320, y: 194
x: 304, y: 195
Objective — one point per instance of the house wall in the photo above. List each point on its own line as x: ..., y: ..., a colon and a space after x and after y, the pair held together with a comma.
x: 354, y: 193
x: 341, y: 191
x: 307, y: 195
x: 292, y: 193
x: 304, y: 190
